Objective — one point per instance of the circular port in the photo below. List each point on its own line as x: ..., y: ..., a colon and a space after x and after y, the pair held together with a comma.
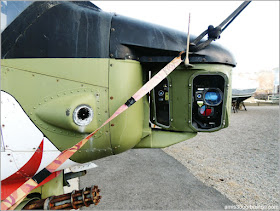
x: 83, y: 115
x: 160, y: 93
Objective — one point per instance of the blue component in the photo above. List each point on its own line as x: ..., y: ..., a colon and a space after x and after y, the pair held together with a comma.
x: 202, y: 109
x: 213, y: 98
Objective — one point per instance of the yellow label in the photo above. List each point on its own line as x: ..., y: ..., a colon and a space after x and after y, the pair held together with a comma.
x: 166, y: 96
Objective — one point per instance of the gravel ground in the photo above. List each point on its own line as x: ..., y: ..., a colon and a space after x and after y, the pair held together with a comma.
x: 242, y: 161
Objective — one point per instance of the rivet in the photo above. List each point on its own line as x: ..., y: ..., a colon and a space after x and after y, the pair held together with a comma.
x: 111, y: 98
x: 57, y: 80
x: 190, y: 84
x: 112, y: 29
x: 189, y: 121
x: 112, y: 125
x: 111, y: 55
x: 171, y: 120
x: 111, y: 65
x: 170, y: 85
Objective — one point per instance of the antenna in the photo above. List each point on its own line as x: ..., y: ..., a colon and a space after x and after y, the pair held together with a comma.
x: 187, y: 61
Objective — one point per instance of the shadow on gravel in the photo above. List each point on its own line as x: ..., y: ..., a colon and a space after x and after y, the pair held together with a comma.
x: 149, y: 179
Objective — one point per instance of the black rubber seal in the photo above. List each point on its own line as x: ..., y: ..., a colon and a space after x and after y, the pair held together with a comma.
x: 43, y: 174
x: 130, y: 102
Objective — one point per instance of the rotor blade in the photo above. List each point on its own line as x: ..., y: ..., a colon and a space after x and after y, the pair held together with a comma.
x: 233, y: 15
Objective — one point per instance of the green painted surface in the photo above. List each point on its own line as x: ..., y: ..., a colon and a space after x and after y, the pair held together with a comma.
x: 53, y: 187
x: 161, y: 139
x: 47, y: 98
x: 180, y: 94
x: 82, y: 70
x: 226, y: 72
x: 125, y: 78
x: 25, y: 202
x: 50, y: 89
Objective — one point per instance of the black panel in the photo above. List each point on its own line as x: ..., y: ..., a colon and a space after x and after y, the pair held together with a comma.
x: 207, y: 114
x: 81, y: 30
x: 162, y: 105
x: 146, y: 42
x: 58, y: 30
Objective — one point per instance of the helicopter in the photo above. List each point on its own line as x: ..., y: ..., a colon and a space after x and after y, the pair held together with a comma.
x: 66, y: 68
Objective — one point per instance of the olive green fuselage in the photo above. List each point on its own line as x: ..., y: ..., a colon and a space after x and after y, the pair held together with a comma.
x: 49, y: 90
